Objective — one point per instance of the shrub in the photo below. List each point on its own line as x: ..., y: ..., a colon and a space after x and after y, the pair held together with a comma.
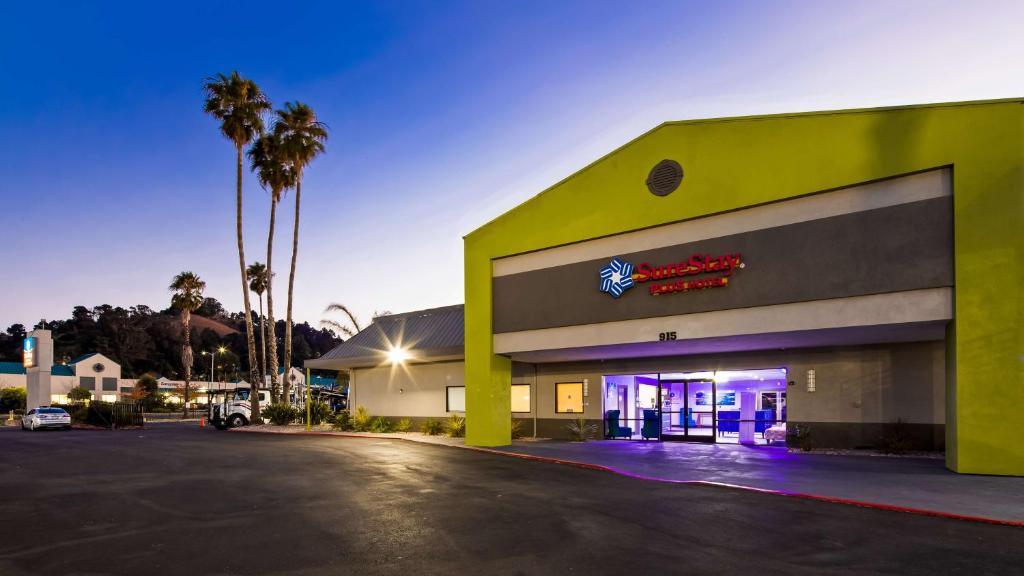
x: 148, y: 393
x: 361, y: 420
x: 280, y: 414
x: 403, y: 425
x: 381, y: 425
x: 79, y: 412
x: 580, y: 430
x: 455, y: 427
x: 12, y: 399
x: 896, y: 439
x: 517, y: 428
x: 800, y: 435
x: 319, y: 412
x: 342, y: 421
x: 431, y: 427
x: 79, y: 394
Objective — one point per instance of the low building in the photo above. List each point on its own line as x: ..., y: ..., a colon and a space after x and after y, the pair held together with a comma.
x: 739, y: 280
x: 404, y: 365
x: 94, y: 372
x: 854, y: 273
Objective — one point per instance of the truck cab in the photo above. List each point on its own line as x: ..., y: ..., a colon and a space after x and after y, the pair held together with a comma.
x: 231, y: 408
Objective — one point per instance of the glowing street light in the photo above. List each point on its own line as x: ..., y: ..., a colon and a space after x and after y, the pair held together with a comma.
x: 212, y: 355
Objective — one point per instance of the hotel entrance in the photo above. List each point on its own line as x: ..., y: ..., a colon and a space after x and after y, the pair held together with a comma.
x: 725, y: 406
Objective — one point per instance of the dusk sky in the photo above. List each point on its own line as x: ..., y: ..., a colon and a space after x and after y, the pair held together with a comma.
x: 442, y: 115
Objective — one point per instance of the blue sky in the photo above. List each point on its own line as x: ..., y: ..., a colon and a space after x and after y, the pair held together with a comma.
x: 442, y: 114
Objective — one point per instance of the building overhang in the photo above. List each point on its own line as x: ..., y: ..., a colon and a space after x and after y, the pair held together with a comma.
x: 915, y: 315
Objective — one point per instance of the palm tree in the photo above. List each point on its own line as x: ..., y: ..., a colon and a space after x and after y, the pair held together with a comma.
x: 239, y: 104
x: 188, y: 296
x: 274, y: 173
x: 349, y: 326
x: 257, y: 274
x: 302, y: 140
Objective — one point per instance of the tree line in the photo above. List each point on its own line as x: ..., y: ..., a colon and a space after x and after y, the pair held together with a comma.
x: 143, y: 340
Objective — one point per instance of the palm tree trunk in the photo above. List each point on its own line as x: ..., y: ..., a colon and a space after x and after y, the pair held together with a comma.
x: 275, y: 391
x: 186, y: 358
x: 291, y: 287
x: 254, y: 397
x: 263, y: 343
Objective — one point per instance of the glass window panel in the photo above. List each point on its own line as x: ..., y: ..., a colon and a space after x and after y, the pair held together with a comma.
x: 569, y: 397
x: 520, y: 398
x: 456, y: 401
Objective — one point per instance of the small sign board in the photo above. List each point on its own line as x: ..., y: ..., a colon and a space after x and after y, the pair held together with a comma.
x: 30, y: 352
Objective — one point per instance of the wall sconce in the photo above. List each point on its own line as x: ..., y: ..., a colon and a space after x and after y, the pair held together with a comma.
x: 811, y: 385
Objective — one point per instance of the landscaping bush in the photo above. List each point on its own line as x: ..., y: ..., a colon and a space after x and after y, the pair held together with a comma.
x: 12, y: 399
x: 517, y: 428
x: 79, y: 394
x: 580, y: 430
x: 280, y: 414
x: 361, y: 420
x: 319, y: 412
x: 342, y: 421
x: 147, y: 391
x: 78, y: 411
x: 455, y: 427
x: 381, y: 425
x: 800, y: 435
x: 896, y: 439
x: 403, y: 425
x: 431, y: 427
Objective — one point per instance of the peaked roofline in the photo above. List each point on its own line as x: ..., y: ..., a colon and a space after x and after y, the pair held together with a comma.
x: 726, y: 119
x: 418, y: 312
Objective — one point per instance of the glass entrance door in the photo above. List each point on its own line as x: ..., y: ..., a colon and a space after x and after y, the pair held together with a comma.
x: 688, y: 410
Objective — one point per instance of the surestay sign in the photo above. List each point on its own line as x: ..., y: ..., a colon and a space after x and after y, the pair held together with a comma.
x: 698, y: 272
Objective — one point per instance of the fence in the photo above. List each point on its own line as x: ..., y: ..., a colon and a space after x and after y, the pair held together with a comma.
x: 125, y: 414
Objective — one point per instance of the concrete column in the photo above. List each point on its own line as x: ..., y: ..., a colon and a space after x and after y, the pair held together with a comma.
x: 748, y: 410
x: 37, y: 377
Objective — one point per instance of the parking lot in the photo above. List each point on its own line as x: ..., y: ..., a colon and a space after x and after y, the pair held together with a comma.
x: 177, y: 499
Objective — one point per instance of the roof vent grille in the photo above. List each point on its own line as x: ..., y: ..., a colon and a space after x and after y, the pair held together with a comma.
x: 665, y: 177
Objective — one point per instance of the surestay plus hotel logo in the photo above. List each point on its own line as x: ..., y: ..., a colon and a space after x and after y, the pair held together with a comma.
x: 698, y: 272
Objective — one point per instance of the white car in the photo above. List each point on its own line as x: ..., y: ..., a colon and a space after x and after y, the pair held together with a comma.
x: 46, y: 417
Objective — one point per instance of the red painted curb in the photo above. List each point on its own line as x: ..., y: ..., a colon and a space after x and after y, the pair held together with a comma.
x: 610, y: 469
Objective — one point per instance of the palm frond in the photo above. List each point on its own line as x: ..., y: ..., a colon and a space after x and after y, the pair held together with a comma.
x: 338, y: 307
x: 238, y: 103
x: 337, y: 328
x: 257, y: 274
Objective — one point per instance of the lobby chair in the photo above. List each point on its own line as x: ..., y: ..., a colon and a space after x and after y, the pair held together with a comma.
x: 652, y: 427
x: 614, y: 430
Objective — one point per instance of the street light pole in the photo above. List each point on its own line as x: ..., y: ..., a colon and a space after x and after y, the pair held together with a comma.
x: 213, y: 356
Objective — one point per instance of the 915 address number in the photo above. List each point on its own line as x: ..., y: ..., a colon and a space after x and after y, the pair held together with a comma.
x: 665, y: 336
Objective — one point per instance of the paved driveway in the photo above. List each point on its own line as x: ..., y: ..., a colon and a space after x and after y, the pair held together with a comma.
x: 909, y: 482
x: 183, y: 500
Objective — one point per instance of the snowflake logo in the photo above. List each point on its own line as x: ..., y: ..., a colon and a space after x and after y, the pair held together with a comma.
x: 616, y: 277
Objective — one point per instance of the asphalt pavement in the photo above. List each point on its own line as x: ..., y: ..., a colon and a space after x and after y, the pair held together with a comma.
x: 177, y: 499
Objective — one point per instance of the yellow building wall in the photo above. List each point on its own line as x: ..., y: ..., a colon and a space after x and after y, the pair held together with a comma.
x: 733, y: 163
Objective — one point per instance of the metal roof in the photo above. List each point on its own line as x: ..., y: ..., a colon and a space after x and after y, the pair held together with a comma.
x: 11, y: 368
x: 427, y: 335
x: 61, y: 370
x: 18, y: 368
x: 83, y: 357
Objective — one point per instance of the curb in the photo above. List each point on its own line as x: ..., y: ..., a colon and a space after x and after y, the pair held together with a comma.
x: 620, y: 472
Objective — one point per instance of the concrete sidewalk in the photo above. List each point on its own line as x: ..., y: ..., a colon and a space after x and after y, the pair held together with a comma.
x: 921, y: 483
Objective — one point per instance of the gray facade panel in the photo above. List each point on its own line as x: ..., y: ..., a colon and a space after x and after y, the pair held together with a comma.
x: 904, y: 247
x: 110, y: 384
x: 87, y: 382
